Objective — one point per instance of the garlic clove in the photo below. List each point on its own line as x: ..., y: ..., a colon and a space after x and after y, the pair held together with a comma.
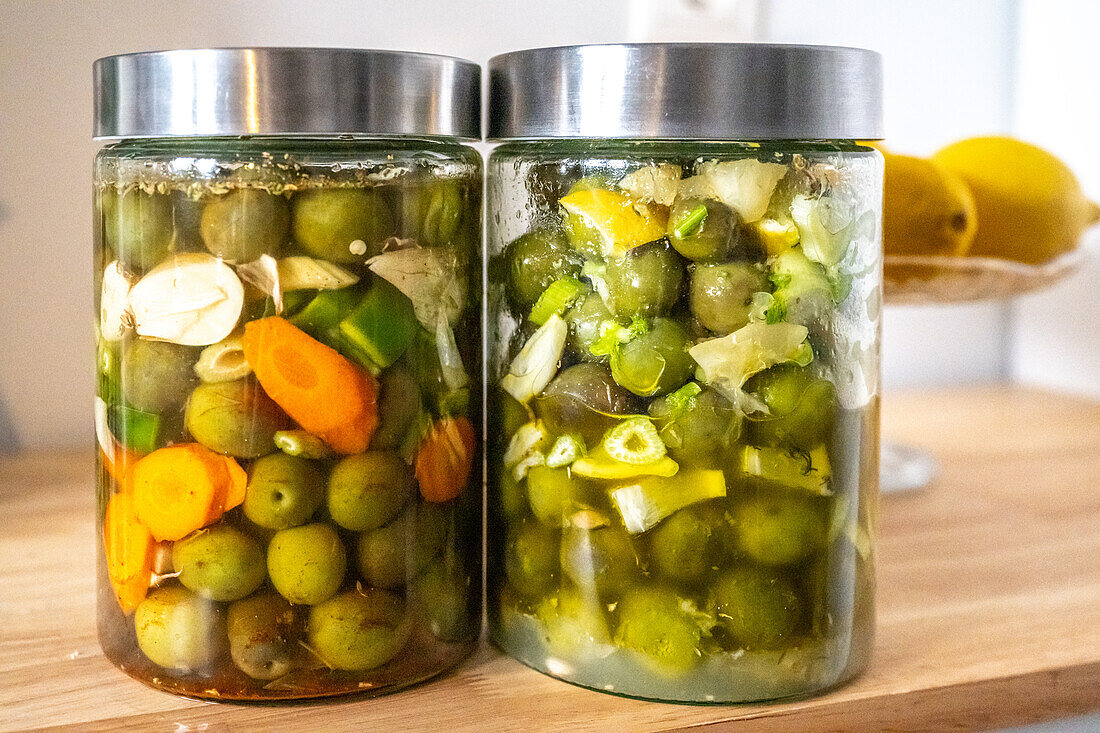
x: 191, y: 299
x: 114, y: 300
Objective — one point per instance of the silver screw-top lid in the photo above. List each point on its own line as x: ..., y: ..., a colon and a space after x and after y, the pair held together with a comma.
x: 286, y: 91
x: 696, y: 91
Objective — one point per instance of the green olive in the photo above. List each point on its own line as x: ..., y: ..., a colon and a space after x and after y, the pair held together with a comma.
x: 645, y: 281
x: 703, y: 230
x: 221, y: 563
x: 156, y: 375
x: 584, y: 320
x: 554, y: 493
x: 531, y: 557
x: 358, y: 629
x: 657, y: 361
x: 535, y: 260
x: 779, y: 528
x: 327, y: 221
x: 575, y: 624
x: 138, y: 227
x: 368, y: 490
x: 236, y: 418
x: 445, y: 598
x: 432, y: 212
x: 431, y: 526
x: 382, y: 553
x: 721, y: 295
x: 507, y: 495
x: 283, y: 491
x: 306, y: 564
x: 657, y: 624
x: 186, y: 223
x: 263, y: 635
x: 509, y: 414
x: 600, y: 560
x: 802, y: 409
x: 575, y: 399
x: 245, y: 223
x: 701, y: 433
x: 398, y: 406
x: 691, y: 543
x: 758, y: 608
x: 179, y: 630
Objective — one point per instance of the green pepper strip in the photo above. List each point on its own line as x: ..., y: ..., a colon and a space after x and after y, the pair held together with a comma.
x: 683, y: 399
x: 690, y: 222
x: 136, y: 429
x: 381, y: 327
x: 558, y: 296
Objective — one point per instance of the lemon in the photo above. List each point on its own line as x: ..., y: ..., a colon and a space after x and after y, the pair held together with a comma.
x: 927, y: 209
x: 1030, y: 205
x: 618, y: 222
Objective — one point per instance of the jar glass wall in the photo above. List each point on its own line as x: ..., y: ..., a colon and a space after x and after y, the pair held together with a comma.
x: 683, y: 371
x: 288, y: 410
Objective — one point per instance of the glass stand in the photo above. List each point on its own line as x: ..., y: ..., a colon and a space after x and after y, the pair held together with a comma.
x: 913, y: 280
x: 904, y: 468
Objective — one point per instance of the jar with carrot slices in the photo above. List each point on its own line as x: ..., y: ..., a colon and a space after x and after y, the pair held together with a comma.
x: 288, y: 403
x: 684, y: 296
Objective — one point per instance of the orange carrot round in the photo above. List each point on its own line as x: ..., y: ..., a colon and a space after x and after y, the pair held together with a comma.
x: 119, y: 465
x: 328, y: 395
x: 237, y: 480
x: 129, y: 550
x: 445, y: 458
x: 179, y: 489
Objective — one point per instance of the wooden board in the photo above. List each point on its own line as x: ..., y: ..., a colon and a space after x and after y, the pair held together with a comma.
x: 989, y: 598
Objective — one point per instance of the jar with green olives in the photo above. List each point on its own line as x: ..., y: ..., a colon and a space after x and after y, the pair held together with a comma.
x: 683, y: 366
x: 288, y: 404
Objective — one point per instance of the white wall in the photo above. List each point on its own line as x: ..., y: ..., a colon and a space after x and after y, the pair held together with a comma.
x: 1055, y: 340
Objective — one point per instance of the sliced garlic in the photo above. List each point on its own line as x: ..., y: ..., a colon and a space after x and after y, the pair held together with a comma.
x: 429, y: 277
x: 263, y: 275
x: 537, y: 362
x: 745, y: 186
x: 223, y: 361
x: 657, y: 183
x: 114, y: 316
x: 103, y: 433
x: 306, y: 273
x: 191, y: 299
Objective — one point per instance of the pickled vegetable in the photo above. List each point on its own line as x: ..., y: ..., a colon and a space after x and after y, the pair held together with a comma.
x: 681, y: 426
x: 287, y: 396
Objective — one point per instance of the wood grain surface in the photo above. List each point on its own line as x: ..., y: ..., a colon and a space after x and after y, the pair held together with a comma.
x: 989, y: 603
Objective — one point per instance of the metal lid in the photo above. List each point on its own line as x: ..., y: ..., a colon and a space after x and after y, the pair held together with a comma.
x: 286, y: 91
x: 698, y: 91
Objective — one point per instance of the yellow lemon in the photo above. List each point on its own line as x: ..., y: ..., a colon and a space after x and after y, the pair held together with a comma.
x: 618, y: 222
x: 927, y: 210
x: 1030, y: 205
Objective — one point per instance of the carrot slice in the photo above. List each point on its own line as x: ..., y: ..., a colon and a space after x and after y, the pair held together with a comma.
x: 181, y: 488
x: 328, y: 395
x: 129, y: 550
x: 445, y: 458
x: 236, y: 483
x: 119, y: 466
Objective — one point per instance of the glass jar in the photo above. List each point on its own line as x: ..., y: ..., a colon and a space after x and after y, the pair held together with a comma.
x: 288, y: 320
x: 683, y: 366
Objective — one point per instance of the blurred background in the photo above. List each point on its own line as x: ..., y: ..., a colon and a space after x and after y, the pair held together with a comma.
x: 953, y: 70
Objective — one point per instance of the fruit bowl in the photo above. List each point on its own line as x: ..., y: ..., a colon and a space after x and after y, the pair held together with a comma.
x: 929, y: 280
